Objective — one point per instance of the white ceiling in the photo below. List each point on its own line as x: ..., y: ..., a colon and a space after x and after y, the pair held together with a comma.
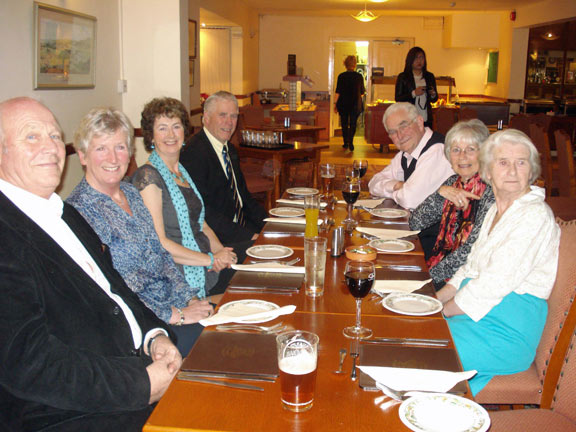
x: 348, y: 7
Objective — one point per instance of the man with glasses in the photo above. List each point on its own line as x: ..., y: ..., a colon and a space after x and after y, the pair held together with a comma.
x: 420, y: 167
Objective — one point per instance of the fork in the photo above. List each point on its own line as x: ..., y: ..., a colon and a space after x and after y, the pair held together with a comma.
x: 397, y: 394
x: 273, y: 328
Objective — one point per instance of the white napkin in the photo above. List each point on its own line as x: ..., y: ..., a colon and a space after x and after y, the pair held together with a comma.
x: 389, y: 286
x: 269, y: 268
x: 368, y: 203
x: 297, y: 221
x: 386, y: 234
x: 244, y: 313
x: 298, y: 203
x: 406, y: 379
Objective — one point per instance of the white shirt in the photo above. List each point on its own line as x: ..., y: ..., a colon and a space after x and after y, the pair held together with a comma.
x: 432, y: 169
x: 218, y: 146
x: 47, y: 213
x: 519, y: 255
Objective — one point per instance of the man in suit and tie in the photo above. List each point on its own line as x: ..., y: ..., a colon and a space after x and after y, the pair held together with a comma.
x: 78, y: 349
x: 231, y: 211
x: 420, y: 167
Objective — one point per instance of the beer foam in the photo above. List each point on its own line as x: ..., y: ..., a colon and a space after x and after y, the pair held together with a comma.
x: 298, y: 365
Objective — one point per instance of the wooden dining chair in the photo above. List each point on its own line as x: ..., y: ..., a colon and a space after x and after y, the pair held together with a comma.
x: 540, y: 139
x: 566, y: 180
x: 537, y: 384
x: 252, y: 115
x: 520, y: 122
x: 467, y: 114
x: 444, y: 119
x: 560, y: 417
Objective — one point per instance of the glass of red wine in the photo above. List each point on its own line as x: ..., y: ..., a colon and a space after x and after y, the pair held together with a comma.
x: 350, y: 193
x: 359, y: 279
x: 360, y: 166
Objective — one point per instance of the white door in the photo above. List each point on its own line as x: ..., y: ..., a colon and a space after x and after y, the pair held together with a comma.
x: 391, y: 55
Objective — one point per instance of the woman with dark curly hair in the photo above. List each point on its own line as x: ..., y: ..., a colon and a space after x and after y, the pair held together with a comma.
x: 174, y: 202
x: 416, y: 85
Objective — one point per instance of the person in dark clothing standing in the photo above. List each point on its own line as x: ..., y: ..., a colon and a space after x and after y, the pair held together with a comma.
x: 416, y: 85
x: 348, y: 100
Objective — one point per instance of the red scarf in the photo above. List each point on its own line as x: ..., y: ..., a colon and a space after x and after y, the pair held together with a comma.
x: 456, y: 224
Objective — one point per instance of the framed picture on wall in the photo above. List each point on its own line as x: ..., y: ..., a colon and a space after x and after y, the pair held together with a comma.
x: 191, y: 72
x: 65, y: 48
x: 192, y: 39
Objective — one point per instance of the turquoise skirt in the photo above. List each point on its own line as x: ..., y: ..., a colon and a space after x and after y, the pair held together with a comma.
x: 504, y: 342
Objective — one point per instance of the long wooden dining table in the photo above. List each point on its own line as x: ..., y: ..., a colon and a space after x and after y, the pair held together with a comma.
x: 339, y: 402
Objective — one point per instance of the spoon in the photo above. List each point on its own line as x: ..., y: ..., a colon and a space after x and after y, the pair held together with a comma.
x: 342, y: 357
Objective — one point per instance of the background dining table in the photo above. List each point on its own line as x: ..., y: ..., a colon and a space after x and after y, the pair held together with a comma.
x: 339, y: 402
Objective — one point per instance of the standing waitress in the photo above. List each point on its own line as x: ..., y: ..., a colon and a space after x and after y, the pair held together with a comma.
x: 348, y: 100
x: 416, y: 85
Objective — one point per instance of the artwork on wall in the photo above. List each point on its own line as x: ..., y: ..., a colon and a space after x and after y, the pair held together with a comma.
x: 65, y: 48
x: 191, y: 72
x: 192, y: 39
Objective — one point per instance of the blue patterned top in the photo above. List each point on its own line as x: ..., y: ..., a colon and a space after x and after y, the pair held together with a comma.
x: 137, y: 253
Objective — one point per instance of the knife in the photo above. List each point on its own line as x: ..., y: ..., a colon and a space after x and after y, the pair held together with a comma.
x: 220, y: 383
x: 408, y: 341
x: 241, y: 377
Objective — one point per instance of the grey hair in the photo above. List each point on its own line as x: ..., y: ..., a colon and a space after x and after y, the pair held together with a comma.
x: 218, y: 96
x: 512, y: 136
x: 101, y: 121
x: 408, y: 108
x: 472, y: 132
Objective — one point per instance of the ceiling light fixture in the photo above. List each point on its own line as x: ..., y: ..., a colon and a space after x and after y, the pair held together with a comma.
x: 364, y: 15
x: 550, y: 36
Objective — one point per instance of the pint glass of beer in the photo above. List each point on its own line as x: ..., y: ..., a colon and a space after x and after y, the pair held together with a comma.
x: 297, y: 356
x: 327, y: 174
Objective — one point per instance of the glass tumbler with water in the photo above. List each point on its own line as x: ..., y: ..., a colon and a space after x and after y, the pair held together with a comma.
x: 314, y: 265
x: 297, y: 360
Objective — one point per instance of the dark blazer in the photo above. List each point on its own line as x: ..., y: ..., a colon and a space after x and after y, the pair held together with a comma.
x: 405, y: 85
x: 66, y: 349
x: 202, y: 163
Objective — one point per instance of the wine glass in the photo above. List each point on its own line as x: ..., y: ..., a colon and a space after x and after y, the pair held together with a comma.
x: 350, y: 193
x: 351, y: 175
x: 359, y: 279
x: 360, y: 166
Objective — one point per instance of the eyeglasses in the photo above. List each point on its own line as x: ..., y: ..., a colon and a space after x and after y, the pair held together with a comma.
x: 402, y: 127
x: 456, y: 151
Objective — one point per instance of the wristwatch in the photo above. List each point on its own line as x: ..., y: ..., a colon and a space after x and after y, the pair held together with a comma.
x: 181, y: 322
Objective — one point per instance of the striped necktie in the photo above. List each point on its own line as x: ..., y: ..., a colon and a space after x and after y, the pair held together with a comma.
x: 232, y: 184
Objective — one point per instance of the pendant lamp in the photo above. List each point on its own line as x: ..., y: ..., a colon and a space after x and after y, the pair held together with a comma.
x: 364, y: 15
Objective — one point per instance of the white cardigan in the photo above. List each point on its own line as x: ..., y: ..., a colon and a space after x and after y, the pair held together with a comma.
x: 519, y: 255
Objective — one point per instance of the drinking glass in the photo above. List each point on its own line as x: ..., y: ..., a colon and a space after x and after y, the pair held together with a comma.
x: 328, y: 173
x: 314, y: 265
x: 312, y: 211
x: 350, y: 193
x: 351, y: 175
x: 359, y: 279
x: 361, y: 165
x: 297, y: 358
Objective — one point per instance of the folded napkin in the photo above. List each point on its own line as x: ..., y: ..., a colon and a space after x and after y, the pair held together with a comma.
x: 297, y: 203
x: 269, y: 268
x: 297, y: 221
x: 386, y: 234
x: 406, y: 379
x: 367, y: 203
x: 245, y: 313
x: 389, y: 286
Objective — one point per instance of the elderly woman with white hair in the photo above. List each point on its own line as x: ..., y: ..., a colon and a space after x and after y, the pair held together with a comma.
x: 496, y: 302
x: 454, y: 213
x: 115, y: 210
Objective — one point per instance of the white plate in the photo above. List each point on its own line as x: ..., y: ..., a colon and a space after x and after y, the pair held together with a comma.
x: 242, y: 307
x: 412, y: 304
x: 439, y: 412
x: 393, y: 246
x: 302, y: 191
x: 269, y: 252
x: 389, y: 213
x: 287, y: 212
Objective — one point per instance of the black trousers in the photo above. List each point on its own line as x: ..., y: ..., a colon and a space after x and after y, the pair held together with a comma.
x: 348, y: 119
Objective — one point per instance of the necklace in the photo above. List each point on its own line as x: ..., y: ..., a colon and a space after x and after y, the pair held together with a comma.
x: 178, y: 177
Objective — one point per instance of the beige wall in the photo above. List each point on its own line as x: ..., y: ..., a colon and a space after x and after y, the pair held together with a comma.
x: 545, y: 12
x: 241, y: 15
x: 309, y: 38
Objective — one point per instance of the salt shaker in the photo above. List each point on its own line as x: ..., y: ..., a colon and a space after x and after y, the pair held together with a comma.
x: 337, y: 242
